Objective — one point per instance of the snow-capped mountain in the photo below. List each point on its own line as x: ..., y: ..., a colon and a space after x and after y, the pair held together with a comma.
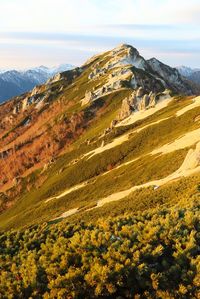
x: 169, y: 75
x: 13, y: 82
x: 191, y: 74
x: 195, y: 77
x: 185, y: 70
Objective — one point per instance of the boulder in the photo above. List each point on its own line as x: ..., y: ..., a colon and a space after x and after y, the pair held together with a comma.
x: 113, y: 123
x: 17, y: 180
x: 144, y: 103
x: 126, y: 109
x: 91, y: 76
x: 89, y: 96
x: 152, y: 99
x: 133, y: 99
x: 140, y: 92
x: 27, y: 102
x: 117, y: 84
x: 35, y: 91
x: 16, y: 109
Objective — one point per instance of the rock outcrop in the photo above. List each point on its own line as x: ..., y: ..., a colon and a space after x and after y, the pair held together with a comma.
x: 140, y: 100
x: 89, y: 96
x: 144, y: 103
x: 192, y: 159
x: 170, y: 76
x: 126, y: 109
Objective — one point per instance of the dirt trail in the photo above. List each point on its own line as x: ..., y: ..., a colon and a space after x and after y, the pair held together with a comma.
x: 138, y: 116
x: 190, y: 166
x: 108, y: 146
x: 122, y: 194
x: 189, y: 139
x: 66, y: 214
x: 120, y: 140
x: 74, y: 188
x: 196, y: 103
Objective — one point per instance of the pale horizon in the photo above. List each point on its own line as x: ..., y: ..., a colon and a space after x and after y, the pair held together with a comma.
x: 50, y: 33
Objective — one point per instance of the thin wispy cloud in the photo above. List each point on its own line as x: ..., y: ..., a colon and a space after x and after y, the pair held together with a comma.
x: 72, y: 31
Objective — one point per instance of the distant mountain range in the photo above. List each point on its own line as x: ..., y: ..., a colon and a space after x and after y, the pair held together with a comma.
x: 191, y: 74
x: 13, y: 82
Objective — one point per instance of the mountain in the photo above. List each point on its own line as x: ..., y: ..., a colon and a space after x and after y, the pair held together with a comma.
x: 184, y: 70
x: 99, y: 183
x: 13, y: 83
x: 71, y: 107
x: 195, y: 77
x: 192, y: 74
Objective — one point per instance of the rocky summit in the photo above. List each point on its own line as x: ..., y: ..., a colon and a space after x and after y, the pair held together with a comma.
x: 99, y: 183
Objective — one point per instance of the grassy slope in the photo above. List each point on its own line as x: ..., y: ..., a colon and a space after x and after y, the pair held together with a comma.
x: 31, y: 207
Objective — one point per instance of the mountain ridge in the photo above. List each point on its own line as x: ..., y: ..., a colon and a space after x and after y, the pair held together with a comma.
x: 78, y: 115
x: 99, y: 183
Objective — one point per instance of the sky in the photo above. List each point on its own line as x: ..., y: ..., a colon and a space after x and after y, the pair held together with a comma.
x: 49, y: 32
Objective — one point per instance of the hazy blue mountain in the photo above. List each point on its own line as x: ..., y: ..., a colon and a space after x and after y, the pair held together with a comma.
x: 13, y: 83
x: 191, y: 74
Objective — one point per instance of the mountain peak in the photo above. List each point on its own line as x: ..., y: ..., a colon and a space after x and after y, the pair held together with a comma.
x: 125, y: 46
x: 122, y: 72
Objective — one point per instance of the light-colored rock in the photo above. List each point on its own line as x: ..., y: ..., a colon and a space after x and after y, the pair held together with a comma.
x: 89, y: 96
x: 126, y: 109
x: 17, y: 180
x: 55, y: 78
x: 27, y: 102
x: 133, y: 99
x: 113, y: 123
x: 102, y: 144
x: 144, y: 103
x: 16, y: 109
x: 152, y: 99
x: 140, y: 92
x: 192, y: 159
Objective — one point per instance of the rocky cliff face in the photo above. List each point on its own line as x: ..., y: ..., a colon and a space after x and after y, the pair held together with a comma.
x: 171, y: 77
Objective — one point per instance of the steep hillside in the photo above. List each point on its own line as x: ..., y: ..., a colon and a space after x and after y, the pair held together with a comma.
x: 99, y: 183
x: 14, y: 83
x: 170, y: 75
x: 66, y: 141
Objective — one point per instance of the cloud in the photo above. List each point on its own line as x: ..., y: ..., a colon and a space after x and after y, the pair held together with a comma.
x: 61, y: 15
x: 75, y: 48
x: 85, y: 27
